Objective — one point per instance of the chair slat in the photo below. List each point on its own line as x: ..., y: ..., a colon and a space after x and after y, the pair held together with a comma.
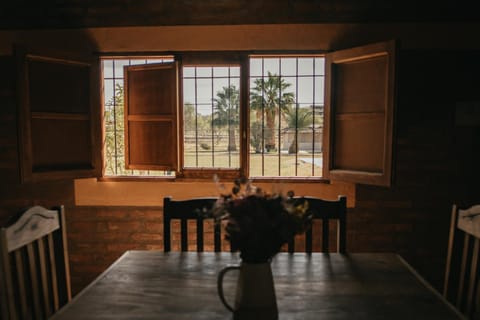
x: 473, y: 276
x: 199, y: 235
x: 451, y: 238
x: 188, y: 210
x: 463, y: 271
x: 184, y: 235
x: 34, y: 265
x: 326, y: 211
x: 53, y: 272
x: 216, y: 237
x: 325, y: 235
x: 308, y: 241
x: 22, y: 290
x: 464, y: 282
x: 43, y: 277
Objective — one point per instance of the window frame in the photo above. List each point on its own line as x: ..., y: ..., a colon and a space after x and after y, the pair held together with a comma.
x: 47, y: 145
x: 241, y: 58
x: 216, y: 59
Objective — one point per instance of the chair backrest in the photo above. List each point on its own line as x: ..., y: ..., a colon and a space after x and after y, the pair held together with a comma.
x: 462, y: 285
x: 34, y: 267
x: 184, y: 210
x: 326, y: 210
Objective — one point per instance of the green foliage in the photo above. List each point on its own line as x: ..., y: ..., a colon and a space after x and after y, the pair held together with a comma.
x: 114, y: 133
x: 226, y: 114
x: 267, y: 98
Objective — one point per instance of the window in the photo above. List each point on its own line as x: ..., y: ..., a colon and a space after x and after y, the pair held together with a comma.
x: 258, y: 115
x: 211, y: 117
x: 114, y: 128
x: 285, y: 116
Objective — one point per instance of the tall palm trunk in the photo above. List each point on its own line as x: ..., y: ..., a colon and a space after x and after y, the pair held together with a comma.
x: 270, y: 134
x: 232, y: 143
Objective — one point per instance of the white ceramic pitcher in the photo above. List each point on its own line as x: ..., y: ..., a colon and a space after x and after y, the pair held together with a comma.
x: 255, y: 295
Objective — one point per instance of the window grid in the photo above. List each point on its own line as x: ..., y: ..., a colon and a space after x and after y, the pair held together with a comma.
x: 115, y: 105
x: 295, y: 131
x: 295, y: 74
x: 192, y: 77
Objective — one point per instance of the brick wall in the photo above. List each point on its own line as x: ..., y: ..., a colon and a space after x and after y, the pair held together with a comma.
x: 436, y: 165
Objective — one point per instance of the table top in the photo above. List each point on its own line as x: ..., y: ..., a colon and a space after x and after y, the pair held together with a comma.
x: 158, y: 285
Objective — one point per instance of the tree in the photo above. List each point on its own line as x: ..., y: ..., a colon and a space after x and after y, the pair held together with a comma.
x: 297, y: 118
x: 268, y: 97
x: 226, y: 113
x: 114, y: 140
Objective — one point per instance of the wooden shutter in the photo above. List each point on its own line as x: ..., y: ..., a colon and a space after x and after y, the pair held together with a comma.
x: 359, y: 114
x: 59, y: 115
x: 151, y: 116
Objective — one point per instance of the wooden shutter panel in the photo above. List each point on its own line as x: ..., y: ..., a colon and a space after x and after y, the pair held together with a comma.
x: 59, y: 116
x: 359, y: 114
x: 151, y: 116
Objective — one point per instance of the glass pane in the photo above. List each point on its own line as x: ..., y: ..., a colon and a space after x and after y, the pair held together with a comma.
x: 305, y: 66
x: 114, y: 118
x: 290, y: 143
x: 137, y: 61
x: 289, y: 66
x: 204, y: 72
x: 255, y: 67
x: 234, y: 72
x: 271, y: 65
x: 204, y: 91
x: 118, y: 67
x: 220, y: 72
x: 108, y: 94
x: 319, y: 90
x: 107, y: 68
x: 212, y: 122
x: 320, y: 66
x: 188, y: 91
x: 305, y: 90
x: 188, y: 72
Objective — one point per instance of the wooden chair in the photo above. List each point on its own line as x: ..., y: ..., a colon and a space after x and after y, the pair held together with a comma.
x: 34, y: 268
x: 326, y: 210
x: 185, y: 210
x: 462, y: 285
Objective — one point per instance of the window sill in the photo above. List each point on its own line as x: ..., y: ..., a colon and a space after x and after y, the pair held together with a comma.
x: 145, y: 191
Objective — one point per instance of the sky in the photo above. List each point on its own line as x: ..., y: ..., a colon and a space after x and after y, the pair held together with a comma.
x: 305, y: 74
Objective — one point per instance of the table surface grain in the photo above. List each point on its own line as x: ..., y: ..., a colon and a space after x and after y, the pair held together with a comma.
x: 158, y: 285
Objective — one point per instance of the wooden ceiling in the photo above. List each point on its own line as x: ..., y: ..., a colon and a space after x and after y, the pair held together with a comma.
x: 25, y: 14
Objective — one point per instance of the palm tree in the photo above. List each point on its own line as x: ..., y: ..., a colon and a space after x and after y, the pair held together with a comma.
x: 267, y: 98
x: 226, y: 113
x: 296, y: 119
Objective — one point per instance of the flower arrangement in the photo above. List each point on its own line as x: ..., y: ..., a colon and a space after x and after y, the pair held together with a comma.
x: 258, y: 223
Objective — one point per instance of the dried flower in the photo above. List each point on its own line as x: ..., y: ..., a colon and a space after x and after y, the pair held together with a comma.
x: 258, y: 223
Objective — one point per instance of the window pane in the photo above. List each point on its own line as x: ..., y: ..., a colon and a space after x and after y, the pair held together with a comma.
x: 118, y: 67
x: 289, y: 66
x: 114, y: 117
x: 320, y: 66
x: 285, y: 127
x: 305, y: 90
x: 204, y: 72
x: 255, y: 67
x: 271, y: 65
x: 305, y: 66
x: 188, y: 72
x: 107, y: 68
x: 211, y: 118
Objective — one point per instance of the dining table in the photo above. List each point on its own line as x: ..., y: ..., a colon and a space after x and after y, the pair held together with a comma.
x: 318, y: 286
